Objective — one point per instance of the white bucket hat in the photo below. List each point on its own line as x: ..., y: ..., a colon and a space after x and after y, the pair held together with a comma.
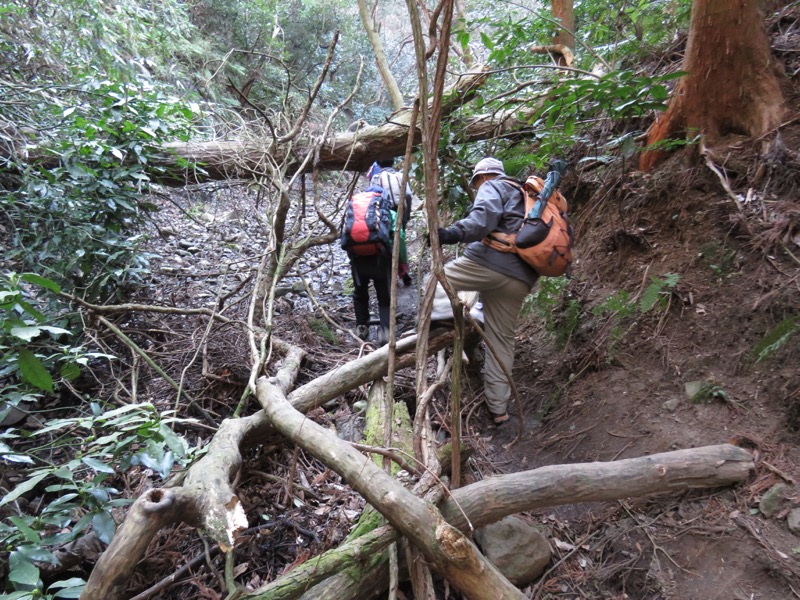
x: 487, y: 166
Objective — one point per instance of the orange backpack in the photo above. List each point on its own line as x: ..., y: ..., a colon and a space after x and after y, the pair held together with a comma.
x: 545, y: 243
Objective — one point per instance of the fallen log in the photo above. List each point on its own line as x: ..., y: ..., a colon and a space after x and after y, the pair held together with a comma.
x: 206, y: 495
x: 494, y: 498
x: 449, y: 551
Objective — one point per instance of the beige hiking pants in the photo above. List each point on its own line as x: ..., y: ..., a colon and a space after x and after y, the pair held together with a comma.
x: 502, y: 298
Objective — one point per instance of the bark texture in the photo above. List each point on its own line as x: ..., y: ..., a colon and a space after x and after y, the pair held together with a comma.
x: 206, y: 496
x: 731, y: 84
x: 450, y: 551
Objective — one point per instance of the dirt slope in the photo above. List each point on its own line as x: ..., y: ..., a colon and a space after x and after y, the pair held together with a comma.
x: 622, y: 387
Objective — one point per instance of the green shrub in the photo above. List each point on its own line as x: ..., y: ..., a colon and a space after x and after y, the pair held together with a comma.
x: 78, y: 493
x: 551, y: 303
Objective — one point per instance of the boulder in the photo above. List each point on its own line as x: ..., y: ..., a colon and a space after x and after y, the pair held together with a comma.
x: 519, y: 550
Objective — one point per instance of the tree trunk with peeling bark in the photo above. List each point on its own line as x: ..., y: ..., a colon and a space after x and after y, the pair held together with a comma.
x: 731, y: 85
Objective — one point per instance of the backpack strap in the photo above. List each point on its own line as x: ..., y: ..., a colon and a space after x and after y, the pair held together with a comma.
x: 504, y: 242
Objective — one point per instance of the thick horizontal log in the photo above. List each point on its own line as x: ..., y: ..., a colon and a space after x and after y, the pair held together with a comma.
x: 492, y: 499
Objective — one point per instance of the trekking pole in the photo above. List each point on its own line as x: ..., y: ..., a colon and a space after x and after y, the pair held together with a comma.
x: 557, y: 168
x: 534, y: 230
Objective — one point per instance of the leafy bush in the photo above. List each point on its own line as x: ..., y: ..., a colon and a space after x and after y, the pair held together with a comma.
x: 75, y: 221
x: 78, y: 493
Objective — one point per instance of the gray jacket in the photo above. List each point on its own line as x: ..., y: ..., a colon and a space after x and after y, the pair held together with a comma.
x: 498, y: 206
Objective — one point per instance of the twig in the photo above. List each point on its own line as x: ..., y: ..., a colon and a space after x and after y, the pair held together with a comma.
x: 325, y: 314
x: 788, y: 478
x: 566, y: 436
x: 540, y: 585
x: 124, y: 308
x: 200, y: 345
x: 723, y: 179
x: 656, y: 547
x: 625, y: 447
x: 133, y: 346
x: 388, y: 453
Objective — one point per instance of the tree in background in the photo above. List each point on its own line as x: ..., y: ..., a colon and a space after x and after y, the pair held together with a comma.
x: 371, y: 27
x: 731, y: 85
x: 565, y: 35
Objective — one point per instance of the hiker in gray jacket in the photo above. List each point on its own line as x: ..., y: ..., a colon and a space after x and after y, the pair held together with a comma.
x: 502, y: 278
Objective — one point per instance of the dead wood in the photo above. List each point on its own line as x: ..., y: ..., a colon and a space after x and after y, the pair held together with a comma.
x: 206, y: 495
x: 492, y: 499
x: 355, y: 555
x: 453, y: 554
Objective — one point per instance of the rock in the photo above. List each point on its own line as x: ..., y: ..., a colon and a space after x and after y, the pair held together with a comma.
x: 519, y: 550
x: 793, y: 520
x: 693, y: 388
x: 671, y: 405
x: 772, y: 499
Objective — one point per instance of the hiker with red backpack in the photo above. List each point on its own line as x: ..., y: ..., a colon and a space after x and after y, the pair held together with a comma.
x: 383, y: 174
x: 367, y: 236
x: 501, y: 276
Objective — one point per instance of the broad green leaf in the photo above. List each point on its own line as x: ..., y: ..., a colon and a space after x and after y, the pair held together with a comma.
x: 36, y: 553
x: 97, y: 465
x: 70, y: 588
x: 33, y: 371
x: 21, y: 571
x: 104, y: 526
x: 7, y: 453
x: 70, y: 371
x: 176, y: 443
x: 17, y: 596
x: 26, y: 333
x: 41, y: 282
x: 55, y: 330
x: 23, y: 487
x: 27, y: 532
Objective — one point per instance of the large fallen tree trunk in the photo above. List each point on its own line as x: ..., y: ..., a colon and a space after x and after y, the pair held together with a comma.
x: 494, y: 498
x: 227, y: 159
x: 353, y: 151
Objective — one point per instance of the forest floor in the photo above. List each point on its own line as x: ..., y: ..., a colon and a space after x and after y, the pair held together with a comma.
x: 652, y: 347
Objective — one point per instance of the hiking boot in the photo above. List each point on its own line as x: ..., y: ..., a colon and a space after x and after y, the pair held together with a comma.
x: 383, y: 336
x: 362, y: 331
x: 407, y: 281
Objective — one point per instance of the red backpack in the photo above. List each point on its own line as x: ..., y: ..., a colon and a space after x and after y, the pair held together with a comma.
x: 367, y: 225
